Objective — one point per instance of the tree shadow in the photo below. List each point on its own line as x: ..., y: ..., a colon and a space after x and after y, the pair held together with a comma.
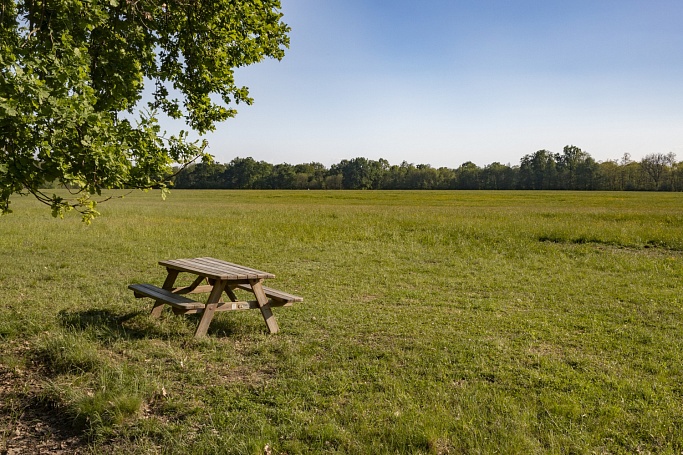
x: 31, y: 424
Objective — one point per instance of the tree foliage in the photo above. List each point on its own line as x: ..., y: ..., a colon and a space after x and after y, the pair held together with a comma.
x: 573, y: 169
x: 72, y: 79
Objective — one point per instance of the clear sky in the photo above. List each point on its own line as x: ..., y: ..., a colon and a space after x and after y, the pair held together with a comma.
x: 443, y: 82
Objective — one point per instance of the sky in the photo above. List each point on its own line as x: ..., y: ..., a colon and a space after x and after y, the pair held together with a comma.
x: 443, y: 82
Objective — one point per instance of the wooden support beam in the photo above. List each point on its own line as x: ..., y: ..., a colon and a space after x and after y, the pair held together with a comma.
x: 265, y: 308
x: 210, y: 309
x: 168, y: 285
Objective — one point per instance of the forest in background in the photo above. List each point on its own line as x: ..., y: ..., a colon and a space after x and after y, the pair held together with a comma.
x: 573, y: 169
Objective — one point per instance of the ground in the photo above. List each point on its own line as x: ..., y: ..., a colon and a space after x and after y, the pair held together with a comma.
x: 27, y: 424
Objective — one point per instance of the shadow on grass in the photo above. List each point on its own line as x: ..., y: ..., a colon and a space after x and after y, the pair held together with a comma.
x: 222, y: 326
x: 109, y: 324
x: 136, y: 325
x: 33, y: 425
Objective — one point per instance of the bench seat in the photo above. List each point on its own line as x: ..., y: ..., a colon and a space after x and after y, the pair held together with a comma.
x: 165, y: 296
x: 282, y: 298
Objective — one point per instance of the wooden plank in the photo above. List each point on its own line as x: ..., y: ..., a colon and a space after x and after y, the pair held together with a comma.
x: 163, y: 296
x: 198, y: 290
x: 151, y: 291
x: 220, y: 269
x: 207, y: 316
x: 211, y: 270
x: 185, y: 265
x: 170, y: 279
x: 235, y: 306
x: 229, y: 270
x: 274, y: 294
x: 216, y: 268
x: 247, y: 305
x: 210, y: 308
x: 267, y: 313
x: 199, y: 280
x: 282, y: 296
x: 251, y: 272
x: 230, y: 293
x: 231, y: 306
x: 158, y: 306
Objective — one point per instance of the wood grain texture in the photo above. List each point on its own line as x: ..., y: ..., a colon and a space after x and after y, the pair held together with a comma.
x: 267, y: 313
x: 221, y: 276
x: 158, y: 306
x: 163, y: 296
x: 216, y: 269
x: 210, y: 308
x: 274, y: 294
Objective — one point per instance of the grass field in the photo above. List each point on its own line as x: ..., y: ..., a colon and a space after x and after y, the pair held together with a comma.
x: 433, y: 322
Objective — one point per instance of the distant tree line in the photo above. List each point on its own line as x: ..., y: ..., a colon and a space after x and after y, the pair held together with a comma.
x: 573, y: 169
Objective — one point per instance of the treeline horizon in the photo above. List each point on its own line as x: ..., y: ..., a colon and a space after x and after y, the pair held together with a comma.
x: 573, y: 169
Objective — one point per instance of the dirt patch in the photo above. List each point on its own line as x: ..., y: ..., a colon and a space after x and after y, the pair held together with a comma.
x: 651, y: 247
x: 28, y: 425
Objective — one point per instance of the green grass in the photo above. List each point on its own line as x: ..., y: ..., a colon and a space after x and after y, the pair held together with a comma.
x: 433, y: 322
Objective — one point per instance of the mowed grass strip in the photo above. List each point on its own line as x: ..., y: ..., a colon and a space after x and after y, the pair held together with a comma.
x: 433, y: 322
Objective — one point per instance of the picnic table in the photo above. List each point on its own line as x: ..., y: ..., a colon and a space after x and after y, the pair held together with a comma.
x: 215, y: 277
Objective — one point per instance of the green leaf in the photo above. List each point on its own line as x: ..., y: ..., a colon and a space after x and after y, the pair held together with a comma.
x: 68, y: 90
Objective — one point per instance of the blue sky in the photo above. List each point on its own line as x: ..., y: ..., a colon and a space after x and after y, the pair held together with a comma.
x: 445, y: 82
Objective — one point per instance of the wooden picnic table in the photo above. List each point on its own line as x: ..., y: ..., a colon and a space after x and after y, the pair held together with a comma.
x: 215, y: 277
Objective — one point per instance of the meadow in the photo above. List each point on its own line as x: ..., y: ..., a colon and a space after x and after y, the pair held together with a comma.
x: 434, y: 322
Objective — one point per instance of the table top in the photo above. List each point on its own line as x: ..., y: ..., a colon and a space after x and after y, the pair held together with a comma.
x: 216, y: 269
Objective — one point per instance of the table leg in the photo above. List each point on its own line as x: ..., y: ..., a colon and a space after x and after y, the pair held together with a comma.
x: 168, y: 284
x: 229, y: 291
x: 265, y: 307
x: 210, y: 308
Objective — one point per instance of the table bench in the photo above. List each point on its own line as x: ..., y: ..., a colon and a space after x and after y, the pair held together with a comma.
x: 215, y: 277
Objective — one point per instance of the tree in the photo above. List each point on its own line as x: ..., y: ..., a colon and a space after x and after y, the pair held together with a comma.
x: 538, y: 171
x: 610, y: 173
x: 282, y: 177
x: 655, y: 165
x: 397, y: 177
x: 568, y: 164
x: 468, y: 176
x: 587, y: 175
x: 334, y: 182
x: 309, y: 175
x: 421, y: 177
x: 498, y: 176
x: 247, y: 173
x: 200, y: 175
x: 72, y: 76
x: 361, y: 173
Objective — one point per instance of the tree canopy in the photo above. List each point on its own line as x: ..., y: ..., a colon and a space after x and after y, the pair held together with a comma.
x: 83, y: 83
x: 573, y: 169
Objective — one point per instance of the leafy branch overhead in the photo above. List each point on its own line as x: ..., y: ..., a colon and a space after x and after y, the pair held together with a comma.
x: 73, y: 74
